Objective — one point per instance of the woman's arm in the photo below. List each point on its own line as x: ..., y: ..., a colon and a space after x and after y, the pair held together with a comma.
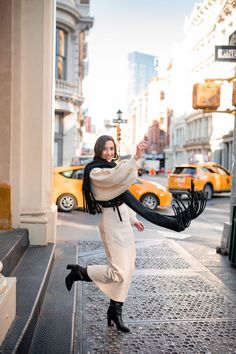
x: 109, y: 183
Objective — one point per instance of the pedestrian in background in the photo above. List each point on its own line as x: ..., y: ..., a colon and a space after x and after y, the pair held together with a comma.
x: 104, y: 182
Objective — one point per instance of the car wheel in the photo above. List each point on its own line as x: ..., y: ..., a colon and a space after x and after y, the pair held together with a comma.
x: 209, y: 190
x: 66, y: 202
x: 140, y: 172
x: 150, y: 201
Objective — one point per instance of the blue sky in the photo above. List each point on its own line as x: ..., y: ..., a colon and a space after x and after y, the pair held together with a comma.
x: 120, y: 27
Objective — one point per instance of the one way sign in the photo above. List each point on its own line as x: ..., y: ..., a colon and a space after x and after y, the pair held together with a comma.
x: 225, y: 53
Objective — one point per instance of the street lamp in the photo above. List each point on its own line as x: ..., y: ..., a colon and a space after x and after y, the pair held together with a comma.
x: 119, y: 115
x: 119, y: 121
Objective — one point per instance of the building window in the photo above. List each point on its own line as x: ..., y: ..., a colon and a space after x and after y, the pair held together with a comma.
x: 84, y: 2
x: 162, y: 135
x: 58, y: 139
x: 162, y: 95
x: 61, y: 47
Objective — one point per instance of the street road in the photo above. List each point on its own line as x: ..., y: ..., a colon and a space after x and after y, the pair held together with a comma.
x: 206, y: 230
x: 211, y: 222
x: 200, y: 239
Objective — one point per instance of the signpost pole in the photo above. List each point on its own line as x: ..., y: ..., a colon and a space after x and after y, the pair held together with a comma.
x: 228, y: 241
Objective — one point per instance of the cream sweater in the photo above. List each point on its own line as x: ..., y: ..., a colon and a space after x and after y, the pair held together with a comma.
x: 109, y: 183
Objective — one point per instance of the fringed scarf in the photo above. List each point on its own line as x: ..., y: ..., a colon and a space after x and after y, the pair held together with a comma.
x: 91, y: 206
x: 196, y: 202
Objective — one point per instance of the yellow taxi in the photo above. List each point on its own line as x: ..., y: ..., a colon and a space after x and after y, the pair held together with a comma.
x: 67, y: 190
x: 208, y: 176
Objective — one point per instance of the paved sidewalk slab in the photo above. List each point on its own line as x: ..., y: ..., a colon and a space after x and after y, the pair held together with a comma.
x: 175, y: 305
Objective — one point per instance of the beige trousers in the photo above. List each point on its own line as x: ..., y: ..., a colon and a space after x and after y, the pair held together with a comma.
x: 118, y: 239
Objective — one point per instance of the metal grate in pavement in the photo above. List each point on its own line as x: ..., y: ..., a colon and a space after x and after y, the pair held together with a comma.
x: 158, y: 254
x: 85, y: 246
x: 154, y: 285
x: 174, y: 305
x: 164, y: 307
x: 163, y: 338
x: 177, y: 283
x: 143, y: 261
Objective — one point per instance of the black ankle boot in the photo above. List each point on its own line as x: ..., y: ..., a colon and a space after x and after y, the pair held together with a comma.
x: 114, y: 314
x: 77, y: 273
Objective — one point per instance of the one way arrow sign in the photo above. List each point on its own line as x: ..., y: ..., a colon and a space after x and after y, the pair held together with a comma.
x: 225, y: 53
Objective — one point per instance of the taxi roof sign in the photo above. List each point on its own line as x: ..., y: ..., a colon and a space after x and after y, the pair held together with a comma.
x: 225, y: 53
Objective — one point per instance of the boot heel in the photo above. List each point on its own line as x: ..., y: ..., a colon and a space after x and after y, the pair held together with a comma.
x: 109, y: 323
x: 69, y: 282
x: 70, y: 266
x: 114, y: 315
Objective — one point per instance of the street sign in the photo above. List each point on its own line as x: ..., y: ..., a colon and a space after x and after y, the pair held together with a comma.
x: 225, y: 53
x: 110, y: 125
x: 120, y: 121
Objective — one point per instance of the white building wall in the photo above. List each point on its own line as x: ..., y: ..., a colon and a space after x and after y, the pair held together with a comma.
x: 210, y: 23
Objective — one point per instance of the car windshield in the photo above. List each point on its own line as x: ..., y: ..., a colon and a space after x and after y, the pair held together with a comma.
x: 85, y: 160
x: 184, y: 170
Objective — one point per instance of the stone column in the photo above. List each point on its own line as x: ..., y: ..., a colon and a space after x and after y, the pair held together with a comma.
x: 5, y: 109
x: 7, y: 285
x: 32, y: 118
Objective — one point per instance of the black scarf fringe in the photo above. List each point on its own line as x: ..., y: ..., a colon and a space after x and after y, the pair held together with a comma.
x: 196, y: 203
x: 91, y: 206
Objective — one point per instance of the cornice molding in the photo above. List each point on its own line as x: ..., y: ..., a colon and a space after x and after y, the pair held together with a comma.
x: 199, y: 143
x: 199, y: 114
x: 87, y: 21
x: 76, y: 101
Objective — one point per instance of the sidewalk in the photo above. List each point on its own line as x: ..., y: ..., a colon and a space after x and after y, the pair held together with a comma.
x: 175, y: 303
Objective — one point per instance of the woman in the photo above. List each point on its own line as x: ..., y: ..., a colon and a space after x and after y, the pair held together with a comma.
x: 105, y: 192
x: 101, y: 188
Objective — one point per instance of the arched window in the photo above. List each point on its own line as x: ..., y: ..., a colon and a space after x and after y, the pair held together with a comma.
x: 61, y: 48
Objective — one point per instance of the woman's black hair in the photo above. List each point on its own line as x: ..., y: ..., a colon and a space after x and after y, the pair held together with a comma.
x: 100, y: 144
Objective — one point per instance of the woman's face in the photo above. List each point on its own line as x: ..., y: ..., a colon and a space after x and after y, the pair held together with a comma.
x: 108, y: 151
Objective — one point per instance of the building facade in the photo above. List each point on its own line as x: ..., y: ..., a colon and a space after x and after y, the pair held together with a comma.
x: 149, y: 118
x: 141, y: 69
x: 207, y: 136
x: 71, y: 64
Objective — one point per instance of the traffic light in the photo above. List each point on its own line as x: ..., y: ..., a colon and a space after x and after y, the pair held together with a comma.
x: 206, y: 95
x: 118, y: 133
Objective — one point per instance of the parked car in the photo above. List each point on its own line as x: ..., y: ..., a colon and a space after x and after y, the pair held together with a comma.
x: 208, y: 176
x: 67, y: 190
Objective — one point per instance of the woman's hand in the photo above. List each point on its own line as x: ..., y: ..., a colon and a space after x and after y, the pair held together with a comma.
x: 140, y: 149
x: 139, y: 225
